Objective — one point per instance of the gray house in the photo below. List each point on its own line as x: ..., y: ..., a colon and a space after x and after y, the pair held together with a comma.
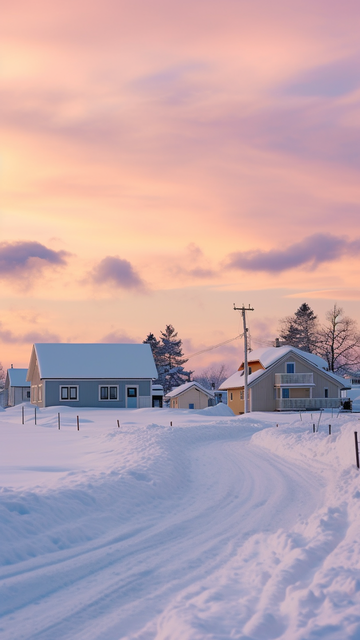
x: 17, y: 389
x: 92, y: 375
x: 285, y: 379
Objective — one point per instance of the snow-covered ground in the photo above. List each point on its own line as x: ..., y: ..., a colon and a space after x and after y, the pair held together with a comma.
x: 216, y: 527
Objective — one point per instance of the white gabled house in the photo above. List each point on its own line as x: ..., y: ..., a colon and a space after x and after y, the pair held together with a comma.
x: 284, y: 379
x: 91, y: 375
x: 190, y: 395
x: 17, y: 389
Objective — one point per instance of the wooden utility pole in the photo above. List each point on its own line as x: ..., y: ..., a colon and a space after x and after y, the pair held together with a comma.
x: 243, y: 310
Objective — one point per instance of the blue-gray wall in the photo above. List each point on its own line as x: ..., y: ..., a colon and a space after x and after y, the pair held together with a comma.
x: 89, y: 392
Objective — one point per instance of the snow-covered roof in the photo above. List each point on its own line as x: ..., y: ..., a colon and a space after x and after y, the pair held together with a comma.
x: 106, y: 361
x: 237, y: 379
x: 187, y: 385
x: 17, y: 378
x: 269, y: 356
x: 157, y: 390
x: 339, y: 379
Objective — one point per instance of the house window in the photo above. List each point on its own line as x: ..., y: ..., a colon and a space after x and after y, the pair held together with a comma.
x: 28, y: 394
x: 241, y: 395
x: 69, y: 393
x: 64, y: 393
x: 40, y: 392
x: 231, y: 395
x: 290, y: 367
x: 286, y: 393
x: 109, y: 392
x: 326, y: 392
x: 191, y: 405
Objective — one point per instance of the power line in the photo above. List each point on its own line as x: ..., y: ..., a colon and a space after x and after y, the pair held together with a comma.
x: 221, y: 344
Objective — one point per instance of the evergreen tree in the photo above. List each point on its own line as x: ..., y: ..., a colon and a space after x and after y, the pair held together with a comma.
x: 171, y: 371
x: 301, y: 329
x: 155, y: 348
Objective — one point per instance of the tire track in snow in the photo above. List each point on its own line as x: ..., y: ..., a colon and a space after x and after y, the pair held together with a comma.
x: 232, y: 491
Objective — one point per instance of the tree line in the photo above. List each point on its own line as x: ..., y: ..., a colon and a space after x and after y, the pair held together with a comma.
x: 337, y: 340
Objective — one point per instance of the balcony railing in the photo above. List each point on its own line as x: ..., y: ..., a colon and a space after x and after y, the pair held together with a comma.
x: 289, y: 404
x: 293, y: 379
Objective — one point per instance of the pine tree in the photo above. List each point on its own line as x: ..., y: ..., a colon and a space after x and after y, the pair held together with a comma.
x: 155, y: 348
x: 171, y: 371
x: 301, y: 329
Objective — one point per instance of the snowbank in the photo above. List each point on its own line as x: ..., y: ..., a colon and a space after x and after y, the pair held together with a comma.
x: 214, y: 526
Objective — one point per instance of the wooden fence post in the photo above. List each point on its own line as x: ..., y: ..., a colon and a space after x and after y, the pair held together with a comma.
x: 78, y: 423
x: 58, y: 420
x: 118, y: 424
x: 320, y: 414
x: 22, y: 415
x: 35, y: 415
x: 356, y: 449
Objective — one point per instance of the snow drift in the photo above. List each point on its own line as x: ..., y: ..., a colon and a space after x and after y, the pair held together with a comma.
x: 218, y: 526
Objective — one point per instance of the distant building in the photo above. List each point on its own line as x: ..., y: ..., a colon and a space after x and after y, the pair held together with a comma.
x: 353, y: 379
x: 92, y: 375
x: 17, y: 388
x: 157, y: 392
x: 190, y: 395
x: 285, y: 378
x: 220, y: 396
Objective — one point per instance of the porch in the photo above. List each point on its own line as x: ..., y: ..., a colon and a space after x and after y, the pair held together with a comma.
x: 294, y: 379
x: 290, y: 404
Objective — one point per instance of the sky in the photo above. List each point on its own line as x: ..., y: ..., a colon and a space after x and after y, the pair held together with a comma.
x: 161, y: 161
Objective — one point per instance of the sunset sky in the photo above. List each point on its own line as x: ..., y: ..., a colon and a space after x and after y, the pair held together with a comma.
x: 162, y: 160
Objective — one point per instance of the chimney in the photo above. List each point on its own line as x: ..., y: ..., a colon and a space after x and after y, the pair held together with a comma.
x: 277, y: 342
x: 11, y: 366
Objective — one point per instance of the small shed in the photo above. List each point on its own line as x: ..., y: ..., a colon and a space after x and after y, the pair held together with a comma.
x: 190, y: 395
x: 17, y: 388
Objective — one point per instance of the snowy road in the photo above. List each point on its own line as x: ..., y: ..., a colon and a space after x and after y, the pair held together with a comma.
x: 186, y: 532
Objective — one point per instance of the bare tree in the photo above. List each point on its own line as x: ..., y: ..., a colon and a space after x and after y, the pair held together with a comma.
x: 339, y: 341
x: 215, y: 374
x: 301, y: 329
x: 2, y: 377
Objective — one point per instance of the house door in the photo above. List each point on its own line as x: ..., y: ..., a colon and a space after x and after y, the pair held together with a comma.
x: 131, y: 397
